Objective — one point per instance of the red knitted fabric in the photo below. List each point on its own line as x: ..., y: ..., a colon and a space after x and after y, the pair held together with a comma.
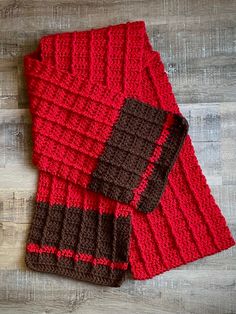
x: 107, y: 132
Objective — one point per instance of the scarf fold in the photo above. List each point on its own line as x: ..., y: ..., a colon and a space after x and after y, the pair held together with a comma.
x: 119, y: 183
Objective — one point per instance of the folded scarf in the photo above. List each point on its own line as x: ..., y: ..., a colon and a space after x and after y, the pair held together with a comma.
x: 119, y: 184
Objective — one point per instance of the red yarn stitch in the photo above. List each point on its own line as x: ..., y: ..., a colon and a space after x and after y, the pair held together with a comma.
x: 97, y: 69
x: 34, y: 248
x: 155, y: 156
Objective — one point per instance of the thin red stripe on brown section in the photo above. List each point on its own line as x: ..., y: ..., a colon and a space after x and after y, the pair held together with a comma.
x: 128, y: 150
x: 138, y: 140
x: 35, y: 248
x: 162, y: 166
x: 155, y: 156
x: 82, y: 244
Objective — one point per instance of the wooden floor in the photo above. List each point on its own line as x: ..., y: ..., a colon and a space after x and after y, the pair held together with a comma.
x: 196, y: 39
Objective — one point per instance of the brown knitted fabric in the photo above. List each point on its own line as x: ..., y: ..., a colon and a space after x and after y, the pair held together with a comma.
x: 58, y: 234
x: 105, y: 121
x: 136, y: 143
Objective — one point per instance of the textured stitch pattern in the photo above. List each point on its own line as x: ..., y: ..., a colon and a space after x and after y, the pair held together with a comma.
x: 69, y: 238
x: 70, y: 136
x: 146, y: 140
x: 70, y: 78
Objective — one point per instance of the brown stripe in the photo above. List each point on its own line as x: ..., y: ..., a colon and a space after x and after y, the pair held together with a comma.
x: 157, y: 181
x: 77, y: 229
x: 127, y: 151
x: 98, y: 274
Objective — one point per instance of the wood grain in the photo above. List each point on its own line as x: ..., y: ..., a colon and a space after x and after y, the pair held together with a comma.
x: 196, y: 39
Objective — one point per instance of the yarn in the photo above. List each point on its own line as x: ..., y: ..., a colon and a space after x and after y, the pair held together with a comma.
x: 119, y: 183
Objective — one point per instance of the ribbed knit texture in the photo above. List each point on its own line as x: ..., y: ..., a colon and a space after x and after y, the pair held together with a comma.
x: 82, y: 87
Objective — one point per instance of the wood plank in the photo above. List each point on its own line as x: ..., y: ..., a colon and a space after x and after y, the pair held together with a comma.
x: 198, y: 51
x: 16, y: 141
x: 199, y: 57
x: 178, y: 292
x: 8, y: 90
x: 196, y: 39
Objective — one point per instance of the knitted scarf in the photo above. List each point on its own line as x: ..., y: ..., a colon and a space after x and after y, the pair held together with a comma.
x: 119, y: 184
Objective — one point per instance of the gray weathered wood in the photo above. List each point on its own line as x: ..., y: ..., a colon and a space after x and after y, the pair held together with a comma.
x: 196, y: 39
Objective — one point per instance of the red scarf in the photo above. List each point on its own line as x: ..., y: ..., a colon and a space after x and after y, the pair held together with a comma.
x: 115, y: 187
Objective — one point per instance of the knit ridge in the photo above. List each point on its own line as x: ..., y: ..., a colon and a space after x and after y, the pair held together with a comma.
x: 119, y: 182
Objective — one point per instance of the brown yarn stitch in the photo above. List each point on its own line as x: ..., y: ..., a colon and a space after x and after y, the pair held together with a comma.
x: 103, y: 118
x: 129, y: 149
x: 58, y: 231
